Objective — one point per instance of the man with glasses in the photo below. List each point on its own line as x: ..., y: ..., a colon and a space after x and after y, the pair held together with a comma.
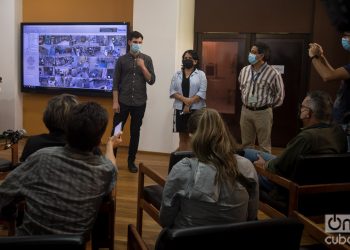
x: 317, y: 136
x: 262, y: 89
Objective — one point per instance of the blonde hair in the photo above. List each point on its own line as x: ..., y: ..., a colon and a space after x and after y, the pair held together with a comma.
x: 212, y: 143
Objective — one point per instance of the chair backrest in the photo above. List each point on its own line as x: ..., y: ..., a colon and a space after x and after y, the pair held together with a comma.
x: 283, y: 233
x: 43, y: 242
x: 322, y: 168
x: 176, y: 156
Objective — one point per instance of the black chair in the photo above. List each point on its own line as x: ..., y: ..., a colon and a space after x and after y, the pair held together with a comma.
x: 43, y: 242
x: 103, y: 230
x: 272, y: 234
x: 150, y: 197
x: 318, y: 185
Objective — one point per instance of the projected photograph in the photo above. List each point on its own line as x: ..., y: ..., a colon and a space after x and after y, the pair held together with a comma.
x: 65, y: 57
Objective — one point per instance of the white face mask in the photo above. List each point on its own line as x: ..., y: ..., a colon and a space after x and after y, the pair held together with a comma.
x: 252, y: 59
x: 135, y: 47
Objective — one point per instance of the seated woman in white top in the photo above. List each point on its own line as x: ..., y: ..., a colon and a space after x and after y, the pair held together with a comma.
x: 217, y: 186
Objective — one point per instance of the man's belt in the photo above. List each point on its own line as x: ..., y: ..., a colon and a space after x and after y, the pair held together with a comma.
x: 258, y: 108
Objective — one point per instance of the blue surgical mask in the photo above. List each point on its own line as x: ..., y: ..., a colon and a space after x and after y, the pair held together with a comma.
x: 252, y: 58
x: 135, y: 48
x: 346, y: 44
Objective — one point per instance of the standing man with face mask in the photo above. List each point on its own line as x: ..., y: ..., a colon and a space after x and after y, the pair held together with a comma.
x: 132, y: 72
x: 341, y: 106
x: 262, y: 89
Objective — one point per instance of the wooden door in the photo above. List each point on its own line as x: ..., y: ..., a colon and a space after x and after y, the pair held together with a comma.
x: 222, y: 56
x: 225, y: 54
x: 289, y: 52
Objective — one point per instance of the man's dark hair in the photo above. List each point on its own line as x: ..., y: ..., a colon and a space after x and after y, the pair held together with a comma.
x: 57, y: 110
x: 263, y: 49
x: 86, y: 124
x: 134, y: 34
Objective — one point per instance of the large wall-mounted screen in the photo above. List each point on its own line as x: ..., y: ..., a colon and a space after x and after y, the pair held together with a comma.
x: 76, y: 58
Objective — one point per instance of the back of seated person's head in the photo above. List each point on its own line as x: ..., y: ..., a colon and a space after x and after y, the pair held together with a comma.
x: 85, y: 126
x: 192, y: 122
x: 321, y: 105
x: 57, y: 110
x: 212, y: 142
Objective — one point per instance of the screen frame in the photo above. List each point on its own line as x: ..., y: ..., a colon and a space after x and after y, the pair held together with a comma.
x: 58, y: 90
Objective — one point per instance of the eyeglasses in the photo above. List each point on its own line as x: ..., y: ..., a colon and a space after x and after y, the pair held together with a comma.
x: 305, y: 107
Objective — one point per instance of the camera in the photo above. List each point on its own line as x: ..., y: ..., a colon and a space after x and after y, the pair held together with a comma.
x: 13, y: 136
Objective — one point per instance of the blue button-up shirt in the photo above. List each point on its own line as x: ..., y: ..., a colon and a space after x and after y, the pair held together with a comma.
x: 198, y: 86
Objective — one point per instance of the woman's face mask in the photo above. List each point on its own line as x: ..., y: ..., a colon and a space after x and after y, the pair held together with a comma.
x: 187, y: 63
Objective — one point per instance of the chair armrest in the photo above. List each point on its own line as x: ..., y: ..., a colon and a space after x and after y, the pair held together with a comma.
x: 135, y: 242
x: 154, y: 175
x: 324, y: 188
x: 274, y: 177
x: 317, y: 232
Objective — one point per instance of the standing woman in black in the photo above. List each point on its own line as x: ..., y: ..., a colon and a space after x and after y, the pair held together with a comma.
x: 188, y: 88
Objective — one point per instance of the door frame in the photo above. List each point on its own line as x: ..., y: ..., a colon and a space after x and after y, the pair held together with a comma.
x: 250, y: 39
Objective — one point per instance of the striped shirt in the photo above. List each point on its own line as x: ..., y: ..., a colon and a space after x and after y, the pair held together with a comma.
x: 261, y: 88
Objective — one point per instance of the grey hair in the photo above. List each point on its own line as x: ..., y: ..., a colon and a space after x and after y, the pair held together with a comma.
x: 321, y: 105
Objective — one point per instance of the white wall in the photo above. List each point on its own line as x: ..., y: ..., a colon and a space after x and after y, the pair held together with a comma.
x: 167, y: 27
x: 11, y: 111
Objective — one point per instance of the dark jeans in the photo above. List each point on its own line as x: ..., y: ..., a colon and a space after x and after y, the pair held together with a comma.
x: 136, y: 114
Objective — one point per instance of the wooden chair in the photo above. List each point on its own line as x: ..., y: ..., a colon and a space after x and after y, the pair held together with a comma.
x: 318, y: 186
x: 8, y: 218
x: 272, y: 234
x: 149, y: 197
x: 7, y: 165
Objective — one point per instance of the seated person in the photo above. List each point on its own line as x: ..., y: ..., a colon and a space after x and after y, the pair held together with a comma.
x: 64, y: 186
x: 317, y: 136
x: 55, y: 119
x: 217, y: 186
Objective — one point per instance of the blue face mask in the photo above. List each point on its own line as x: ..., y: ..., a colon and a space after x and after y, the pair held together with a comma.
x: 346, y: 44
x: 252, y: 58
x: 135, y: 48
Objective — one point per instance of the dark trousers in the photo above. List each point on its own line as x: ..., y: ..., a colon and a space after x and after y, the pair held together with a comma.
x: 136, y: 114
